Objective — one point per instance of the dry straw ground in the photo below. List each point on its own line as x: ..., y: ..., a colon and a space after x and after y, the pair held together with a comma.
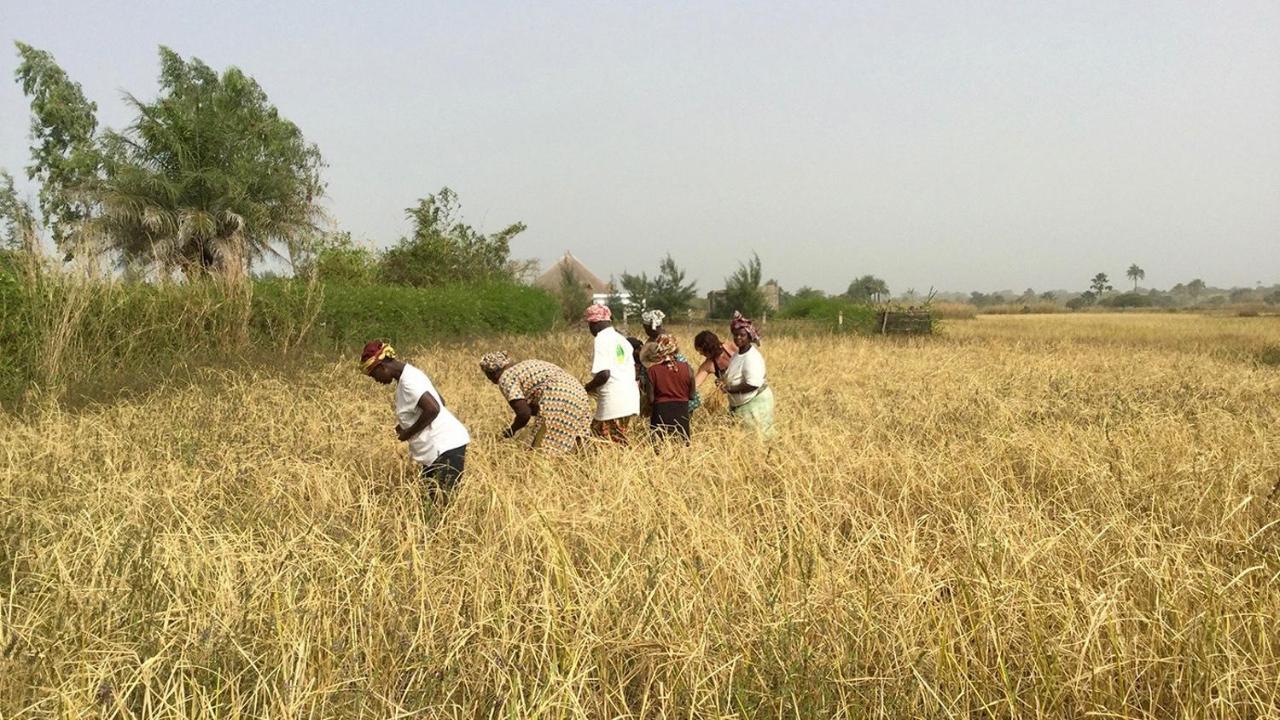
x: 1029, y: 516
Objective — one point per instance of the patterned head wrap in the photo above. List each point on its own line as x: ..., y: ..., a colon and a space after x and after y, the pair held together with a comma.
x: 494, y: 361
x: 597, y: 313
x: 375, y: 351
x: 665, y: 349
x: 741, y: 323
x: 652, y: 319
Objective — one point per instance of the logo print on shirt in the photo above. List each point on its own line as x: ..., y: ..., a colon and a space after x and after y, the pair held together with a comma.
x: 622, y: 355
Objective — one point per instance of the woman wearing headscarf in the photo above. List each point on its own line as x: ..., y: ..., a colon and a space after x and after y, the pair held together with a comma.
x: 535, y: 388
x: 613, y: 377
x: 652, y: 322
x: 670, y: 389
x: 745, y: 382
x: 436, y: 439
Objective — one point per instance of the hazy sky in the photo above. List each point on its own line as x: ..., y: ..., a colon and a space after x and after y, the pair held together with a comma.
x: 950, y: 144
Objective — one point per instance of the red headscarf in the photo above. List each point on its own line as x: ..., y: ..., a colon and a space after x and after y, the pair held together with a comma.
x: 375, y: 351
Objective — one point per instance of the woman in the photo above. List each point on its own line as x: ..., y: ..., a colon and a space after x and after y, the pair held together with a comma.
x: 538, y: 388
x: 652, y: 322
x: 670, y: 389
x: 716, y: 355
x: 744, y: 381
x: 435, y: 438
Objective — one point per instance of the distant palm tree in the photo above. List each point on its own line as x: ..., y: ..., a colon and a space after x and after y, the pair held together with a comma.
x: 1135, y: 274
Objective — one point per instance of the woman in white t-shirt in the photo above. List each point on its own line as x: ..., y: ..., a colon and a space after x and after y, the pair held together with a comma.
x: 745, y: 382
x: 436, y: 439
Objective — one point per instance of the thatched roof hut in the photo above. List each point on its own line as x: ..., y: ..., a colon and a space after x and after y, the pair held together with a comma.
x: 551, y: 279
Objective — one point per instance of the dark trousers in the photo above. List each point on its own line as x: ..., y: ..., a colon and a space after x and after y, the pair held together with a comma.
x: 444, y: 472
x: 671, y: 418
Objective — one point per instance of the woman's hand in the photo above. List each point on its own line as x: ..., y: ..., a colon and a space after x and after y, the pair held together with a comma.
x: 403, y: 433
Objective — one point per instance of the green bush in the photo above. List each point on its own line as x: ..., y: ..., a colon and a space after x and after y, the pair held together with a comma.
x: 58, y: 332
x: 350, y: 314
x: 857, y: 317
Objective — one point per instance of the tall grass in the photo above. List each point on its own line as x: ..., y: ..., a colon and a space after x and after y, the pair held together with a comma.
x: 1026, y: 517
x: 75, y: 331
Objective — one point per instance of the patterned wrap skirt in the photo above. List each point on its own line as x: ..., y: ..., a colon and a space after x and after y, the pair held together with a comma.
x: 564, y: 417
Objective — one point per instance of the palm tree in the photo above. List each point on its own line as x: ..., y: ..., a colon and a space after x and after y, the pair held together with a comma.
x: 1100, y: 284
x: 208, y: 177
x: 1135, y: 274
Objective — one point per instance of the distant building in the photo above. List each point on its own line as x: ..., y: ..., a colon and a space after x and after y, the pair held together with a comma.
x: 599, y: 290
x: 772, y: 296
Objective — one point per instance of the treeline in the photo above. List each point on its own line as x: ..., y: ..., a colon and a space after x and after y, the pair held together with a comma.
x: 158, y: 227
x: 1101, y: 293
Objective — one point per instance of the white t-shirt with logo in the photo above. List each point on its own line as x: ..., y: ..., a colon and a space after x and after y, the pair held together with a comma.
x: 445, y: 433
x: 745, y: 367
x: 619, y: 396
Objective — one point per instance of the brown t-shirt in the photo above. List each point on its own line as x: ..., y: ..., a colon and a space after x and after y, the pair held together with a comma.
x: 670, y: 384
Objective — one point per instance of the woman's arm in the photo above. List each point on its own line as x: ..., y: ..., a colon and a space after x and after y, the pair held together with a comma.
x: 523, y: 413
x: 428, y: 411
x: 705, y: 370
x: 597, y: 381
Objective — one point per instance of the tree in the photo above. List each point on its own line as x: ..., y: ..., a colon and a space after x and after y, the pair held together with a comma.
x: 1195, y: 288
x: 19, y: 222
x: 336, y: 258
x: 208, y: 177
x: 807, y: 293
x: 1099, y: 285
x: 1135, y: 274
x: 742, y: 289
x: 671, y: 294
x: 867, y: 288
x: 1272, y: 298
x: 574, y: 297
x: 1084, y: 299
x: 65, y: 157
x: 667, y: 291
x: 1049, y: 296
x: 639, y: 290
x: 445, y: 249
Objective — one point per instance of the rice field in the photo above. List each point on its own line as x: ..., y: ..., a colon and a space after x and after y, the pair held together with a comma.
x: 1040, y: 516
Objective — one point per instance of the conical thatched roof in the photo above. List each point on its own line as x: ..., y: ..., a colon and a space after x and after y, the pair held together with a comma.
x: 550, y: 280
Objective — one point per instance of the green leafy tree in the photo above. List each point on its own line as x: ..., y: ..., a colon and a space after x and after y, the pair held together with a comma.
x: 1135, y: 274
x: 671, y: 294
x: 667, y: 291
x: 1099, y: 285
x: 445, y: 249
x: 1084, y: 299
x: 209, y: 176
x: 336, y: 258
x: 574, y: 296
x: 639, y: 291
x: 1049, y: 296
x: 19, y: 222
x: 742, y: 290
x: 806, y: 293
x: 65, y: 157
x: 867, y: 288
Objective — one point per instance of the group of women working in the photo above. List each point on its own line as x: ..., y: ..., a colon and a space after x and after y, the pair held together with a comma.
x: 628, y: 375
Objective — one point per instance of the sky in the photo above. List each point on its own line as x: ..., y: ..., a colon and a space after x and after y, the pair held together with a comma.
x: 953, y: 145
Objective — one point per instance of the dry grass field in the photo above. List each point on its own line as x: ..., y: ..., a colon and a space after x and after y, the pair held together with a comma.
x: 1042, y: 516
